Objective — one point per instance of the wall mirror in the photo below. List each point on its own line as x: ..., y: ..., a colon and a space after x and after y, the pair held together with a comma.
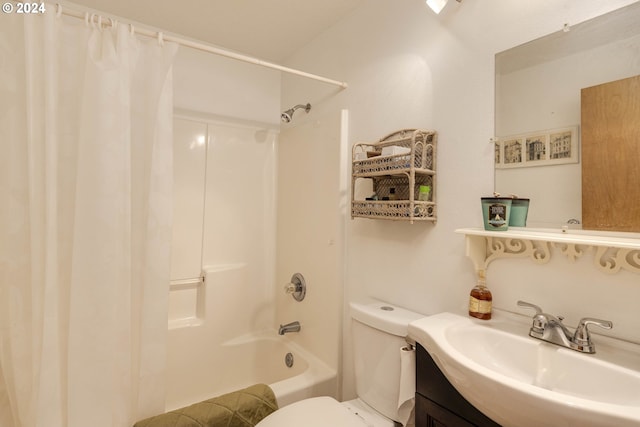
x: 538, y: 87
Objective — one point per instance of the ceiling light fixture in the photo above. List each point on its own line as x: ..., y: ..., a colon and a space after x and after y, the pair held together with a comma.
x: 438, y: 5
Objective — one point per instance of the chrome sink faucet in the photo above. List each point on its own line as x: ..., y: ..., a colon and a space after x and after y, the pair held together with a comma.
x: 551, y: 329
x: 289, y: 327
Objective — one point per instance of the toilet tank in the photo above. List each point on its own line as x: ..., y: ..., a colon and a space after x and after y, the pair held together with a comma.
x: 378, y: 332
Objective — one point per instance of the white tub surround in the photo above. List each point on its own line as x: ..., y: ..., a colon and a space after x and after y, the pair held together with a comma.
x: 225, y: 342
x: 246, y: 360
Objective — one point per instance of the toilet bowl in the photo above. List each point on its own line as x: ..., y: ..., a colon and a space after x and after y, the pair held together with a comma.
x: 324, y: 412
x: 378, y: 334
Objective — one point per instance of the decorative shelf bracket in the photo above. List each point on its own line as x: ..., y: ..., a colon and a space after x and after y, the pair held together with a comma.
x: 613, y: 261
x: 612, y: 251
x: 571, y: 251
x: 539, y: 252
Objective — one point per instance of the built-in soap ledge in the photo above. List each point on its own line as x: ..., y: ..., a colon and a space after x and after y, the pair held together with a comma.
x: 185, y: 303
x: 613, y: 251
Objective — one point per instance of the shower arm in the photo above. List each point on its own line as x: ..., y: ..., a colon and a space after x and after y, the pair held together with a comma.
x: 306, y: 107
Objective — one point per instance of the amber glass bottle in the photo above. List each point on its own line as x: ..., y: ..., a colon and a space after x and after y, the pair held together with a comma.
x: 480, y: 299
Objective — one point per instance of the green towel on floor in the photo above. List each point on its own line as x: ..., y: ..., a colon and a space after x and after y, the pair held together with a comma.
x: 242, y: 408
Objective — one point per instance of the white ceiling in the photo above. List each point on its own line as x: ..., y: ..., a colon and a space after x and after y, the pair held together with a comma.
x: 267, y: 29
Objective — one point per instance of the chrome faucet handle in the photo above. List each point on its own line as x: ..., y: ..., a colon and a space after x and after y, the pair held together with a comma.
x: 539, y: 319
x: 290, y: 288
x: 297, y: 287
x: 582, y: 337
x: 529, y: 305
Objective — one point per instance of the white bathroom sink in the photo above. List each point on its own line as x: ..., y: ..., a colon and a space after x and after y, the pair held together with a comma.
x: 520, y: 381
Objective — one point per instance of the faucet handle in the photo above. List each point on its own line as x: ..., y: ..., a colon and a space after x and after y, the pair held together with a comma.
x: 539, y: 319
x: 290, y: 288
x: 582, y: 337
x: 529, y: 305
x: 297, y: 287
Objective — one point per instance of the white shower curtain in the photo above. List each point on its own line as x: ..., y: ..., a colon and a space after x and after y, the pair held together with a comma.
x: 85, y: 220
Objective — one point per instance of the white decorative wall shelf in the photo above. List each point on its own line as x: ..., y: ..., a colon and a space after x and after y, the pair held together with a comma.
x: 612, y: 251
x: 397, y: 176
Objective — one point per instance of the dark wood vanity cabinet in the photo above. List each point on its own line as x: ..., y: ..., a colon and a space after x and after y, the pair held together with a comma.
x: 438, y: 403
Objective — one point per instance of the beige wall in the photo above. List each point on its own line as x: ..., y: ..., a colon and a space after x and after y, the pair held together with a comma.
x: 407, y: 67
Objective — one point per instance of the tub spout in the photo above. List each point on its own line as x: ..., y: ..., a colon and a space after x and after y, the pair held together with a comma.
x: 289, y: 327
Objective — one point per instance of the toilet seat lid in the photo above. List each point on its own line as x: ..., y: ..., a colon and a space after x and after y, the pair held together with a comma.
x: 315, y: 412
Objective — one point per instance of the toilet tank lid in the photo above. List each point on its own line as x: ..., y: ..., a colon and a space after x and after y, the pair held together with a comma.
x: 384, y: 316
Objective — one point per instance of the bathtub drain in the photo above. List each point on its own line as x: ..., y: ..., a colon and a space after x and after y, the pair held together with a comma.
x: 288, y: 360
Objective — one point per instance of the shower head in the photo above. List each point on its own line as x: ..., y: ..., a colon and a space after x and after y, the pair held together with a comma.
x: 288, y: 115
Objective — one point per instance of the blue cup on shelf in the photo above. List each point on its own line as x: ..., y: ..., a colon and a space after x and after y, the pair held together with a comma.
x: 519, y: 212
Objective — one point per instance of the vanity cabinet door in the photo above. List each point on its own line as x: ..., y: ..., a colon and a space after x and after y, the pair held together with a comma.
x: 430, y: 414
x: 438, y: 403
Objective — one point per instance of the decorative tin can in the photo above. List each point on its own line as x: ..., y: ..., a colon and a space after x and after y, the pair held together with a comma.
x: 496, y: 212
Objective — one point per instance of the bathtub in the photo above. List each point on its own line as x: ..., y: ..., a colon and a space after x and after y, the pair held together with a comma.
x: 246, y: 360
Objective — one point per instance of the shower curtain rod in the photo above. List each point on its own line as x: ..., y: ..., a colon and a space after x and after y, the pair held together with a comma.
x: 200, y: 46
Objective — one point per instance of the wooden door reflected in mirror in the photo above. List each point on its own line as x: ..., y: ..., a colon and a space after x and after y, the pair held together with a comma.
x: 610, y: 117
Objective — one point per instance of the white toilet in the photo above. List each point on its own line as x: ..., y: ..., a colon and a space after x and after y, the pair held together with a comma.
x: 378, y: 332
